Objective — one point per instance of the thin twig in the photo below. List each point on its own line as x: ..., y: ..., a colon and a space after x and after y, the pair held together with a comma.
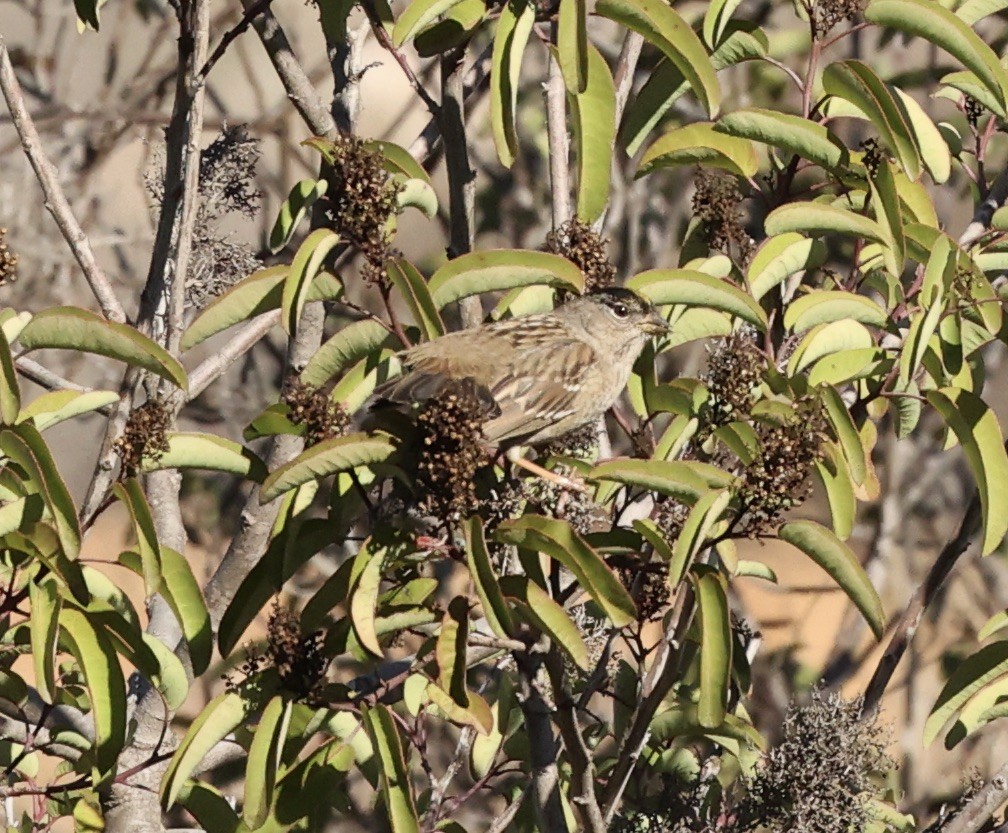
x: 212, y: 368
x: 558, y: 135
x: 55, y: 200
x: 251, y: 12
x: 382, y: 36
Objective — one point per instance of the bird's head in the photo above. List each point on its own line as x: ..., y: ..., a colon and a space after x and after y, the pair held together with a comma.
x: 615, y: 316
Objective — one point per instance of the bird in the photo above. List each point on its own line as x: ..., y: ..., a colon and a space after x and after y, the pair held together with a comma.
x: 536, y: 376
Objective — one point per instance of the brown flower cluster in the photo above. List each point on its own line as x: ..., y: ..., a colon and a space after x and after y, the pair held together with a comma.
x: 451, y: 450
x: 360, y: 201
x: 586, y: 249
x: 735, y: 368
x: 670, y: 516
x: 717, y: 203
x: 8, y: 260
x: 828, y: 13
x: 647, y: 583
x: 145, y: 436
x: 322, y: 418
x: 776, y: 480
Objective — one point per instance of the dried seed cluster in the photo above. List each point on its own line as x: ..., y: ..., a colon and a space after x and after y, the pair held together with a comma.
x: 582, y: 246
x: 820, y: 777
x: 582, y: 443
x: 828, y: 13
x: 670, y: 516
x: 360, y: 201
x: 322, y: 418
x: 451, y: 429
x: 973, y: 110
x: 735, y: 368
x: 227, y: 174
x: 8, y: 260
x: 145, y: 436
x: 595, y: 635
x: 298, y: 657
x: 717, y: 202
x: 681, y: 808
x: 556, y: 501
x: 775, y: 481
x: 647, y: 583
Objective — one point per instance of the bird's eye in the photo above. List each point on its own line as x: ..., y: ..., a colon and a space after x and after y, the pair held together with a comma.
x: 620, y: 310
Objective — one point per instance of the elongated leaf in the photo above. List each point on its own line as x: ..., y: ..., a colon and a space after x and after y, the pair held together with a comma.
x: 17, y: 513
x: 837, y: 559
x: 264, y: 761
x: 395, y: 784
x: 977, y: 429
x: 132, y: 496
x: 513, y: 29
x: 196, y: 450
x: 593, y: 114
x: 715, y: 648
x: 682, y: 481
x: 702, y: 517
x: 969, y: 677
x: 888, y: 213
x: 939, y: 26
x: 209, y: 807
x: 931, y: 145
x: 260, y: 292
x: 455, y: 28
x: 450, y: 651
x: 485, y: 579
x: 695, y: 289
x: 572, y: 44
x: 43, y: 629
x: 500, y: 270
x: 364, y: 600
x: 835, y: 477
x: 700, y: 144
x: 307, y: 264
x: 973, y: 10
x: 817, y: 218
x: 556, y: 539
x: 660, y: 25
x: 292, y: 211
x: 10, y: 392
x: 329, y: 457
x: 537, y: 606
x: 413, y: 288
x: 105, y: 682
x: 792, y: 134
x: 846, y: 433
x: 349, y: 345
x: 716, y: 19
x: 60, y: 405
x: 416, y: 16
x: 778, y: 258
x: 824, y: 306
x: 70, y: 328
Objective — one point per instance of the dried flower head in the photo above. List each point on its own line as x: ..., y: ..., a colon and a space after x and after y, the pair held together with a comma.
x: 586, y: 249
x: 451, y: 450
x: 595, y: 635
x: 556, y: 501
x: 679, y: 807
x: 227, y: 174
x: 828, y: 13
x: 360, y: 201
x: 670, y: 516
x: 647, y: 583
x: 717, y: 203
x: 144, y: 437
x: 735, y: 368
x: 822, y: 774
x: 775, y: 481
x: 298, y: 657
x: 8, y: 260
x: 582, y: 443
x: 322, y: 418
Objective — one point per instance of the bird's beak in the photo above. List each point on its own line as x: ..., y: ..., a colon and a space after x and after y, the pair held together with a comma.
x: 655, y: 324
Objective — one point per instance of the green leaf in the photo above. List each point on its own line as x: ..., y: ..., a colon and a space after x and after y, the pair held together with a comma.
x: 572, y: 44
x: 846, y: 365
x: 700, y: 144
x: 824, y: 306
x: 695, y: 289
x: 417, y: 15
x: 837, y: 559
x: 221, y: 716
x: 413, y: 288
x: 364, y: 598
x: 846, y: 433
x: 210, y: 809
x: 17, y: 513
x: 306, y: 265
x: 10, y: 391
x: 792, y: 134
x: 43, y: 629
x: 264, y: 761
x: 931, y: 145
x: 182, y: 592
x: 857, y: 83
x: 593, y: 117
x: 329, y: 457
x: 132, y: 496
x: 662, y: 26
x: 780, y: 257
x: 556, y: 539
x: 455, y: 28
x: 666, y: 84
x: 939, y: 26
x: 816, y: 219
x: 885, y: 205
x: 682, y: 481
x: 485, y: 579
x: 60, y: 405
x: 450, y: 650
x: 695, y: 532
x: 70, y: 328
x: 196, y: 450
x: 500, y: 270
x: 349, y: 345
x: 105, y: 682
x: 716, y: 19
x: 548, y: 616
x: 976, y: 426
x: 513, y: 29
x: 973, y: 10
x: 292, y: 211
x: 395, y: 783
x: 969, y: 677
x: 997, y: 622
x: 837, y: 482
x: 715, y: 647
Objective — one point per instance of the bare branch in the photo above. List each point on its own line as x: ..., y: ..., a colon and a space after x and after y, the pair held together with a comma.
x: 210, y: 370
x: 974, y: 816
x: 383, y: 38
x: 55, y: 200
x: 559, y: 141
x: 251, y: 12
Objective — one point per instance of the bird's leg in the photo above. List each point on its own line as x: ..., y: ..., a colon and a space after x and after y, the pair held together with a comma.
x: 514, y: 455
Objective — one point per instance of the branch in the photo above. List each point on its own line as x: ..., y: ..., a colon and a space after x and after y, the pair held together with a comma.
x: 543, y: 749
x: 55, y: 200
x: 996, y: 198
x: 559, y: 141
x: 382, y: 36
x: 251, y: 12
x: 212, y: 368
x: 626, y: 66
x: 973, y: 817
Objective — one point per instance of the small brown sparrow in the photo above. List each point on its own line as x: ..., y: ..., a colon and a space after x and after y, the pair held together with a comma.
x: 538, y: 376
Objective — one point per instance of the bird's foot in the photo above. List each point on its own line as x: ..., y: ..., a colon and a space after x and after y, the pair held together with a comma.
x: 573, y: 484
